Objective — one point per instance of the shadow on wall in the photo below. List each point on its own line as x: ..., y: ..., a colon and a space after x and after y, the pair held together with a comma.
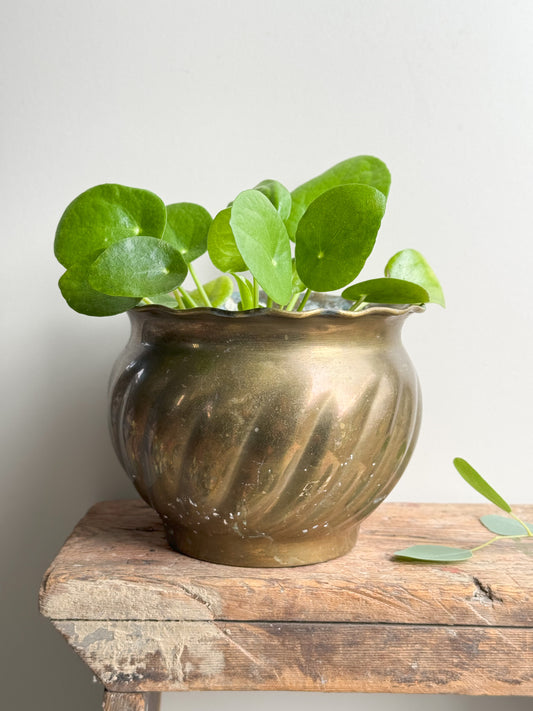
x: 60, y: 461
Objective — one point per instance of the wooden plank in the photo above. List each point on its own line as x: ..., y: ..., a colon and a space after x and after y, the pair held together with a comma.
x: 117, y: 565
x: 174, y: 656
x: 131, y: 702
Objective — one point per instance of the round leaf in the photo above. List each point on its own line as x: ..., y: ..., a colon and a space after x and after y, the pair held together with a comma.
x: 434, y: 554
x: 411, y: 265
x: 278, y: 195
x: 337, y: 234
x: 104, y: 215
x: 187, y: 228
x: 264, y: 244
x: 476, y: 481
x: 81, y: 297
x: 387, y: 291
x: 223, y: 250
x: 361, y: 169
x: 138, y: 266
x: 217, y: 290
x: 503, y: 526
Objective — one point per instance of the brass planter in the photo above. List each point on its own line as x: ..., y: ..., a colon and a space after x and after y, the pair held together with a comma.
x: 264, y: 438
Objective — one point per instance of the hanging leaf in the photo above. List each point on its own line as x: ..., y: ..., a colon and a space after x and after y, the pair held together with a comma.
x: 262, y: 240
x: 187, y: 228
x: 337, y: 234
x: 434, y: 554
x: 387, y: 291
x: 81, y: 297
x: 138, y: 266
x: 411, y: 265
x: 476, y: 481
x: 278, y: 195
x: 361, y: 169
x: 221, y: 245
x: 503, y: 526
x: 104, y: 215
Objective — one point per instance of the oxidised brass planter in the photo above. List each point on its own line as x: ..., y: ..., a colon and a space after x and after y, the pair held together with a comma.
x: 263, y: 438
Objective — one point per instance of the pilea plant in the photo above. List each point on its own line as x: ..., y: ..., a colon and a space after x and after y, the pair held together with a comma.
x: 510, y: 526
x: 123, y: 247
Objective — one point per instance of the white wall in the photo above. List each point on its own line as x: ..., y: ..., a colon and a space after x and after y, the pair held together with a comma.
x: 198, y: 100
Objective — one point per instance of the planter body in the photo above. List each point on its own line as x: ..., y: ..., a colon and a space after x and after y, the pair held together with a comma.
x: 263, y: 438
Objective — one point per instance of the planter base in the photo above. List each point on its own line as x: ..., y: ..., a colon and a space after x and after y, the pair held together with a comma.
x: 262, y: 551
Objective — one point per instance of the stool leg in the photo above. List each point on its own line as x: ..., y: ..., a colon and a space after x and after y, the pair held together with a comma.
x: 116, y: 701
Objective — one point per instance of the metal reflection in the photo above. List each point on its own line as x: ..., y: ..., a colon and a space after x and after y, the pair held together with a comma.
x: 263, y: 438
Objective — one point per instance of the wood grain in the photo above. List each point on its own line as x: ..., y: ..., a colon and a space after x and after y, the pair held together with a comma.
x: 147, y: 619
x: 180, y: 656
x: 131, y: 702
x: 118, y: 565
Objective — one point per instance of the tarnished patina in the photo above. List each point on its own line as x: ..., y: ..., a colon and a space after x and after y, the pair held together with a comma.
x: 263, y: 438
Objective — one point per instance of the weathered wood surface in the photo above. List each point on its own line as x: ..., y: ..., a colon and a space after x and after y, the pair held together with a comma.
x: 117, y: 565
x: 145, y: 618
x: 179, y: 656
x: 131, y: 702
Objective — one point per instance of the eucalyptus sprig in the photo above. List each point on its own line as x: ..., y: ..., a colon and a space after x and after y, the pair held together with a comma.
x: 505, y: 527
x: 124, y: 247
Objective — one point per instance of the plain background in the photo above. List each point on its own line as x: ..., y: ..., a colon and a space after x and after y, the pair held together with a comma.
x: 198, y: 100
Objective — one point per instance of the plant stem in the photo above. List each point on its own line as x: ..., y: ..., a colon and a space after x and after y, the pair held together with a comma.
x: 187, y: 298
x: 146, y: 300
x: 178, y: 298
x: 292, y: 302
x: 529, y: 532
x: 256, y: 294
x: 199, y: 286
x: 357, y: 304
x: 498, y: 538
x: 304, y: 300
x: 269, y: 302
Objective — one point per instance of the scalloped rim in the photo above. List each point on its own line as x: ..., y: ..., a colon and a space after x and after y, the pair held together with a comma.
x: 383, y: 309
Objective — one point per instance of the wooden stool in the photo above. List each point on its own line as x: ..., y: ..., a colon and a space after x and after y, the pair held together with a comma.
x: 146, y: 619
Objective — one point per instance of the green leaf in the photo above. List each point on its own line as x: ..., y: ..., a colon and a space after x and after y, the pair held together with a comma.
x: 476, y: 481
x: 217, y: 290
x: 278, y: 195
x: 434, y: 554
x: 138, y: 266
x: 168, y: 300
x: 297, y: 284
x: 361, y: 169
x: 246, y: 292
x: 81, y: 297
x: 104, y: 215
x: 387, y: 291
x: 221, y: 245
x: 187, y: 228
x: 264, y: 244
x: 503, y: 526
x: 411, y: 265
x: 337, y: 234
